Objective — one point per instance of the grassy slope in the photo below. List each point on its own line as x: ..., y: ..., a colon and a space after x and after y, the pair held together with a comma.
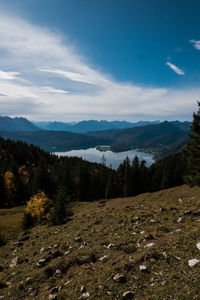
x: 126, y: 223
x: 10, y: 221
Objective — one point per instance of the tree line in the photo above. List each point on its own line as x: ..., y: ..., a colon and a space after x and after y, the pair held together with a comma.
x: 27, y: 170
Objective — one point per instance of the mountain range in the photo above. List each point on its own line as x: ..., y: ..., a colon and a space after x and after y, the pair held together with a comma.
x: 160, y: 138
x: 90, y: 125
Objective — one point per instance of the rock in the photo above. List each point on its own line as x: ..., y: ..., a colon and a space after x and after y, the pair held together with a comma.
x: 17, y: 244
x: 83, y: 289
x: 41, y: 263
x: 143, y: 268
x: 54, y: 290
x: 58, y: 273
x: 128, y: 295
x: 193, y: 262
x: 198, y: 245
x: 15, y: 261
x: 86, y: 295
x: 67, y: 252
x: 119, y: 278
x: 78, y: 239
x: 110, y: 246
x: 55, y: 246
x: 42, y: 249
x: 28, y: 280
x: 103, y: 258
x: 152, y: 221
x: 187, y: 212
x: 2, y: 296
x: 179, y: 219
x: 149, y: 245
x: 52, y: 297
x: 115, y: 262
x: 180, y: 200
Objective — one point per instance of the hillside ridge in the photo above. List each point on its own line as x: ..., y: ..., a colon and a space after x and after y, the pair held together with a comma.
x: 142, y: 245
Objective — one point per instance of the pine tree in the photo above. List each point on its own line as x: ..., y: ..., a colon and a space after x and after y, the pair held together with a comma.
x: 193, y: 152
x: 61, y: 210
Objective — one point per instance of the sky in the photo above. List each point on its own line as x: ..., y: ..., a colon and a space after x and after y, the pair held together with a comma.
x: 72, y: 60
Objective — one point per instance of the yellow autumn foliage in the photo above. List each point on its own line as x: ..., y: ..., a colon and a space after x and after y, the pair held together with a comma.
x: 24, y: 174
x: 9, y: 183
x: 38, y: 206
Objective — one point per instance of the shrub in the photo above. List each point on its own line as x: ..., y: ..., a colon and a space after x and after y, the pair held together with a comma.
x: 38, y: 206
x: 27, y: 221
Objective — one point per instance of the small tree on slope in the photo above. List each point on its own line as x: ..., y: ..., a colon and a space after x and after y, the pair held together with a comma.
x: 193, y: 152
x: 61, y: 208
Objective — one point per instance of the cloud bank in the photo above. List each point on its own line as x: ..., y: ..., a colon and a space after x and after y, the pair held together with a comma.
x: 44, y: 77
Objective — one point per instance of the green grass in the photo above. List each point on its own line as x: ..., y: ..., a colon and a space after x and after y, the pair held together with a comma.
x: 10, y: 221
x: 128, y: 223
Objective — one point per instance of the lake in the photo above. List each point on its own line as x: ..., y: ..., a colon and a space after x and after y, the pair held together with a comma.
x: 111, y: 158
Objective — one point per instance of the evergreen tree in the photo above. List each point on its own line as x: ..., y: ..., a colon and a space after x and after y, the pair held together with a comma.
x: 193, y: 152
x: 61, y: 210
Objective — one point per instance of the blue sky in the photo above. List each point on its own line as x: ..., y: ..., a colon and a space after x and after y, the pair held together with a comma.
x: 82, y: 59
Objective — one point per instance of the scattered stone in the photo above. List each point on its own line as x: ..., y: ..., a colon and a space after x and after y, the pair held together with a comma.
x: 198, y: 245
x: 67, y: 252
x: 83, y: 289
x: 128, y: 295
x: 2, y: 296
x: 42, y: 249
x: 28, y: 280
x: 54, y: 290
x: 66, y: 283
x: 41, y: 263
x: 55, y: 246
x: 193, y: 262
x: 143, y: 268
x: 149, y: 245
x: 52, y: 297
x: 119, y: 278
x: 110, y: 246
x: 58, y: 272
x: 15, y: 261
x: 180, y: 200
x: 115, y: 262
x: 86, y: 295
x: 165, y: 255
x: 17, y: 244
x: 152, y: 221
x: 179, y: 219
x: 103, y: 258
x: 78, y: 239
x: 187, y: 212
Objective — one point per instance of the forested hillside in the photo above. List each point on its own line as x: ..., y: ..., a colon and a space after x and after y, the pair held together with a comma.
x: 26, y: 169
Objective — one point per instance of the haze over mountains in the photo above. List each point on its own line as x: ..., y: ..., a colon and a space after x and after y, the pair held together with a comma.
x: 90, y: 125
x: 160, y: 138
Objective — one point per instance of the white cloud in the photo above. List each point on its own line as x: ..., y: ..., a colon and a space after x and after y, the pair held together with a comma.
x: 47, y: 60
x: 8, y: 75
x: 70, y: 75
x: 196, y: 44
x: 49, y: 89
x: 175, y: 68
